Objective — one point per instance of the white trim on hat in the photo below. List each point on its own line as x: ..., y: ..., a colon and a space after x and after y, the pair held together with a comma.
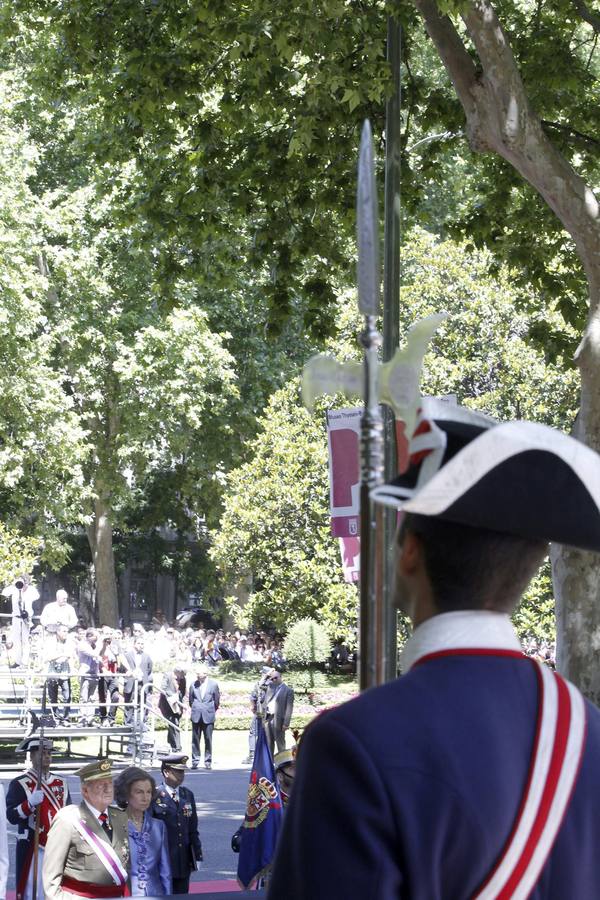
x: 435, y: 439
x: 495, y: 446
x: 485, y: 453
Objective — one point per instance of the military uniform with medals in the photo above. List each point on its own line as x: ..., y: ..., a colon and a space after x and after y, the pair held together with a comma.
x: 176, y: 807
x: 83, y: 857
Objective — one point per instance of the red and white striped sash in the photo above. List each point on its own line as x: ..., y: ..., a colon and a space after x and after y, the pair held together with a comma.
x: 47, y: 792
x: 555, y: 763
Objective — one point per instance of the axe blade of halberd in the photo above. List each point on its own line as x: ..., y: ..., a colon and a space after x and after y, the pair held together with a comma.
x: 324, y: 375
x: 399, y: 381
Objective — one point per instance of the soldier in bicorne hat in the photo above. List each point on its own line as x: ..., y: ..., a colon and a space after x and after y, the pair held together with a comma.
x: 175, y: 805
x: 25, y: 795
x: 87, y: 853
x: 476, y: 774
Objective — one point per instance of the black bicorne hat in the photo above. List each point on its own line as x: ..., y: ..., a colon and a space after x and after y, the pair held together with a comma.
x: 33, y: 743
x: 517, y: 478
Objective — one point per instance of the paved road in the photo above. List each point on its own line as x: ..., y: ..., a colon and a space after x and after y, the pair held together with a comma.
x: 221, y: 799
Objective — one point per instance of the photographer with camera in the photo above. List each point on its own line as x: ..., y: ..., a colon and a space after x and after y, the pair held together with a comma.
x: 23, y: 595
x: 58, y: 613
x: 60, y: 660
x: 108, y: 685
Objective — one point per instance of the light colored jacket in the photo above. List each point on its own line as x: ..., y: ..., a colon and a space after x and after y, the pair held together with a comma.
x: 68, y: 854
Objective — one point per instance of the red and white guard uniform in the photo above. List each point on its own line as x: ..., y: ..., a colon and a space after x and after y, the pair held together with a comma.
x: 21, y: 812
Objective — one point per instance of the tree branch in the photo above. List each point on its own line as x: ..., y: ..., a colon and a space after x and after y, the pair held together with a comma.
x: 566, y: 129
x: 587, y: 15
x: 458, y: 63
x: 500, y: 118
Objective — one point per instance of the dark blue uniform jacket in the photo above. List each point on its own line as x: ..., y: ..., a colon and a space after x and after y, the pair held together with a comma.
x: 411, y: 790
x: 181, y: 821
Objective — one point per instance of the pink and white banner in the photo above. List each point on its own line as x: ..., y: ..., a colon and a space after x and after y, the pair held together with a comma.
x: 350, y: 551
x: 343, y: 439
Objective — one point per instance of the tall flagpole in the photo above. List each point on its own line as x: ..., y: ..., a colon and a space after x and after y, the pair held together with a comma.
x: 371, y: 442
x: 387, y: 518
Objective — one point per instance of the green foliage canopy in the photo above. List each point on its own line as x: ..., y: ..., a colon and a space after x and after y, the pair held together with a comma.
x: 18, y: 554
x: 276, y: 528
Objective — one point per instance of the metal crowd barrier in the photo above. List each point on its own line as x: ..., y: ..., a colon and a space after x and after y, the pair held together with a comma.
x: 149, y: 749
x: 22, y: 712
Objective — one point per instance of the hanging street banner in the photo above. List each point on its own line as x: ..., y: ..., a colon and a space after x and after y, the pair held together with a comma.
x: 350, y: 552
x: 343, y: 441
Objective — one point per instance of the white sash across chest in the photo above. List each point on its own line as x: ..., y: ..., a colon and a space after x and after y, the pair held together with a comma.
x: 104, y: 852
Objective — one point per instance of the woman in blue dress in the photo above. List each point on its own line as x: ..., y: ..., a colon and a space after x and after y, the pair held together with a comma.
x: 148, y: 843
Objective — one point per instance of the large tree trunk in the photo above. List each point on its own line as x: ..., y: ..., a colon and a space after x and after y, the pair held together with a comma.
x: 101, y: 544
x: 575, y: 574
x: 500, y: 119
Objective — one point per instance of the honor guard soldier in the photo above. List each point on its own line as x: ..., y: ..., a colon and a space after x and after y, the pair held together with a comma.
x: 476, y: 774
x: 175, y: 805
x: 87, y: 852
x: 25, y: 795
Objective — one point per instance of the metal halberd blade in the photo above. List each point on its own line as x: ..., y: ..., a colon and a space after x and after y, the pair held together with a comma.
x: 367, y: 228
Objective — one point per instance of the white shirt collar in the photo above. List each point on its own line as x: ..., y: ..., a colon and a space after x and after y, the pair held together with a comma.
x: 95, y: 812
x: 457, y: 630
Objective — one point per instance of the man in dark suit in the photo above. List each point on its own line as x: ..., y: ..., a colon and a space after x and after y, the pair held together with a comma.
x: 175, y: 805
x: 170, y: 703
x: 204, y: 698
x: 139, y: 671
x: 278, y: 706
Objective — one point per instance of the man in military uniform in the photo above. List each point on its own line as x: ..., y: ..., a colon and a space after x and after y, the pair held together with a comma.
x: 284, y: 764
x: 257, y: 698
x: 170, y: 703
x: 25, y: 795
x: 175, y: 805
x: 476, y: 774
x: 87, y: 852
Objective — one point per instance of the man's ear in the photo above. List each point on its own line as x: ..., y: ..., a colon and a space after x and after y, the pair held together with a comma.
x: 411, y: 554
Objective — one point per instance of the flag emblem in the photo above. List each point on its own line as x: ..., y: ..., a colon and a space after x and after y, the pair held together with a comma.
x: 262, y: 796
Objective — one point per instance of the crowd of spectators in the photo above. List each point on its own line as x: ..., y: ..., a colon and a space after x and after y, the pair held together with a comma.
x: 544, y: 651
x: 164, y: 643
x: 210, y: 646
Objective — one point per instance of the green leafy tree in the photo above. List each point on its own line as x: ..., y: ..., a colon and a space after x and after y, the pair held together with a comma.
x: 245, y: 119
x: 18, y: 554
x: 41, y: 440
x: 307, y: 643
x: 148, y: 380
x: 276, y: 526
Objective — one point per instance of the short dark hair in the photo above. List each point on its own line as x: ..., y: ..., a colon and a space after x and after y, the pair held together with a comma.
x: 474, y: 568
x: 125, y: 779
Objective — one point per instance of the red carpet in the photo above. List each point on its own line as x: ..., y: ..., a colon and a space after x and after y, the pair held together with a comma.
x: 196, y: 887
x: 215, y: 887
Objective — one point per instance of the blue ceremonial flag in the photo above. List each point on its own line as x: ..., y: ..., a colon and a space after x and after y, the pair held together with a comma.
x: 263, y: 815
